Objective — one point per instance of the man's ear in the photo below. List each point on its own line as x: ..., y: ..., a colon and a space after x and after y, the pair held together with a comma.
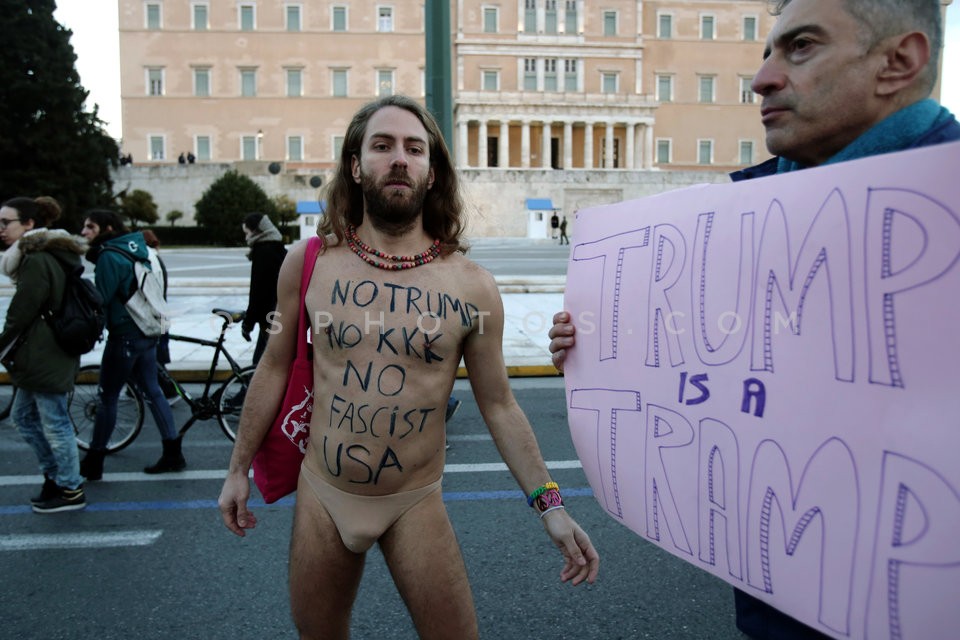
x: 905, y: 59
x: 355, y: 168
x: 431, y: 177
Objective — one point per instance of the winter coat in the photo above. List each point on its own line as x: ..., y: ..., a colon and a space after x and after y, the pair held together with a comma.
x: 39, y: 364
x: 115, y: 280
x: 266, y: 258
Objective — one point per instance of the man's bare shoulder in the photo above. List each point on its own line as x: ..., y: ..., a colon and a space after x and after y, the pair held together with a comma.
x: 475, y: 278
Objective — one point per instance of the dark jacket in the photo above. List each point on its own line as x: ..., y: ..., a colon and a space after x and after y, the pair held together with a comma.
x: 39, y: 364
x: 755, y: 617
x: 115, y: 279
x: 266, y: 258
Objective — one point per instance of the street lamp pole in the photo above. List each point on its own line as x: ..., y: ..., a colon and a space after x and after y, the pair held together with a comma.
x: 439, y: 82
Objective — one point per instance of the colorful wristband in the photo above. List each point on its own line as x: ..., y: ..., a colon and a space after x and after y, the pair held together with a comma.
x: 547, y: 500
x: 539, y: 491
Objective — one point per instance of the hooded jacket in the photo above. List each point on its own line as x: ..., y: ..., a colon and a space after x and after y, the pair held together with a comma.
x: 115, y: 279
x: 39, y: 364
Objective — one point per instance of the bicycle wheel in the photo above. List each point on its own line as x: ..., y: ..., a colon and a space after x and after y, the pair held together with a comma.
x: 82, y: 405
x: 230, y: 399
x: 7, y: 393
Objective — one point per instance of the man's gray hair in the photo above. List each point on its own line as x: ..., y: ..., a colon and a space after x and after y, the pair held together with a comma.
x: 881, y: 19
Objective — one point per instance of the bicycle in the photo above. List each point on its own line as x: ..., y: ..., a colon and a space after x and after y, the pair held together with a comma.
x: 223, y: 403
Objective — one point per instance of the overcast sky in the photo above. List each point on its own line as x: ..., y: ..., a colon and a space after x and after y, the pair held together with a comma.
x: 96, y: 43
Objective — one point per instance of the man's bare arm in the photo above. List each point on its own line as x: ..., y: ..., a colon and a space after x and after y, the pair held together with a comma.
x: 514, y: 437
x: 266, y: 391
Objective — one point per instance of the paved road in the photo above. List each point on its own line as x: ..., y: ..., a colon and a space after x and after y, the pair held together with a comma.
x: 150, y: 559
x: 513, y: 257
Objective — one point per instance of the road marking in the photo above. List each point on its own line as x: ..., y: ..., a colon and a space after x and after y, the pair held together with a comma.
x: 36, y: 541
x: 220, y: 474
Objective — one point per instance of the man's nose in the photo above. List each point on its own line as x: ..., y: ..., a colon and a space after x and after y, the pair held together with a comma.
x: 769, y: 77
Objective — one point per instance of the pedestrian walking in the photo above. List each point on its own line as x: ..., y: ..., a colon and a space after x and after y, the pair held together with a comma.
x: 129, y: 354
x: 554, y: 225
x: 37, y: 260
x: 563, y: 231
x: 266, y: 255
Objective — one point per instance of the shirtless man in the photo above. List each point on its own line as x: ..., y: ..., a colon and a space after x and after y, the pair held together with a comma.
x: 394, y: 306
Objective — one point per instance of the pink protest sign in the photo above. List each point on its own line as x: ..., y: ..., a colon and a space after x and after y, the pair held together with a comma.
x: 765, y: 384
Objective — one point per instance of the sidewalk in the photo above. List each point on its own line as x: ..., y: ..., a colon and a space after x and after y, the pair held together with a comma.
x: 529, y: 305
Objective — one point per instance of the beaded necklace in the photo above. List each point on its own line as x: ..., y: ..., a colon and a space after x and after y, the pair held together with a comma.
x: 398, y: 262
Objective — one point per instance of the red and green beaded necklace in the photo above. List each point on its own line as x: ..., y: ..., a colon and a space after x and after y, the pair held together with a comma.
x: 396, y: 262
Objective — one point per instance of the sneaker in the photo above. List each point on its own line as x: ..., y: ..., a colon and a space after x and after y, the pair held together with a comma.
x: 452, y: 410
x: 64, y: 500
x: 49, y: 490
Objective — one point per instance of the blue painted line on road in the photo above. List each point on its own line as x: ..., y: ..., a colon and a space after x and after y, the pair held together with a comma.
x: 184, y: 505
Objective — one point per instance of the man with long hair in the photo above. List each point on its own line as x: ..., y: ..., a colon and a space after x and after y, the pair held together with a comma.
x: 394, y: 305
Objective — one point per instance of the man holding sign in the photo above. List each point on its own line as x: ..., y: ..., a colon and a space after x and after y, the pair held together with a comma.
x: 841, y: 80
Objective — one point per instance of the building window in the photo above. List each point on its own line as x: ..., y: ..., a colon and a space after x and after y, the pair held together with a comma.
x: 384, y: 82
x: 665, y: 26
x: 201, y: 14
x: 157, y: 148
x: 248, y: 83
x: 550, y: 75
x: 384, y: 19
x: 491, y: 18
x: 338, y: 18
x: 530, y: 16
x: 603, y: 154
x: 491, y: 80
x: 746, y: 152
x: 665, y: 88
x: 248, y: 148
x: 294, y: 83
x: 295, y: 148
x: 293, y: 17
x: 609, y: 23
x: 704, y: 151
x: 201, y: 82
x: 750, y: 28
x: 664, y: 151
x: 248, y: 17
x: 529, y: 74
x: 570, y: 18
x: 747, y: 96
x: 550, y: 16
x: 154, y: 82
x: 338, y: 79
x: 337, y: 146
x: 154, y: 16
x: 608, y: 82
x: 707, y: 84
x: 203, y: 148
x: 707, y: 28
x: 570, y: 75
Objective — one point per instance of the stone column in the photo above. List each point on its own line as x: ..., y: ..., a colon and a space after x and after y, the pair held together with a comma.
x: 568, y: 145
x: 463, y: 158
x: 608, y: 152
x: 631, y: 145
x: 504, y: 141
x: 588, y: 145
x: 647, y: 146
x: 482, y: 145
x: 525, y: 144
x: 545, y: 146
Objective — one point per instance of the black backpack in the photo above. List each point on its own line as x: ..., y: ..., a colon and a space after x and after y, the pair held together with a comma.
x: 79, y: 322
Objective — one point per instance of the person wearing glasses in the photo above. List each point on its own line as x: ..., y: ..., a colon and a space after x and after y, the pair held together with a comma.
x: 37, y: 260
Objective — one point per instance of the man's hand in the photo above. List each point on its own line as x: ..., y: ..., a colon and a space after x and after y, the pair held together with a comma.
x: 561, y: 338
x: 233, y: 504
x: 581, y: 560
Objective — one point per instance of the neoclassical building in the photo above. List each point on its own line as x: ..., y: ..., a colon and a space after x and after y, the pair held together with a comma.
x: 564, y: 84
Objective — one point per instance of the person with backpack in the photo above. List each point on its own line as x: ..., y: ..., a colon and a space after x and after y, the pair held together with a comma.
x: 37, y: 260
x: 131, y: 349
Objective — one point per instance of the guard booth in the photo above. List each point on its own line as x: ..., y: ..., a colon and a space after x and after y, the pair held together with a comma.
x: 308, y: 214
x: 539, y: 211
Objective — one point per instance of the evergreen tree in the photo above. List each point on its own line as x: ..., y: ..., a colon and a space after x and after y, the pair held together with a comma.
x: 48, y: 144
x: 225, y: 204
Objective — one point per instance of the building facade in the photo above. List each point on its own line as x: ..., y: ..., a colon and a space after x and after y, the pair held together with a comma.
x: 562, y: 84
